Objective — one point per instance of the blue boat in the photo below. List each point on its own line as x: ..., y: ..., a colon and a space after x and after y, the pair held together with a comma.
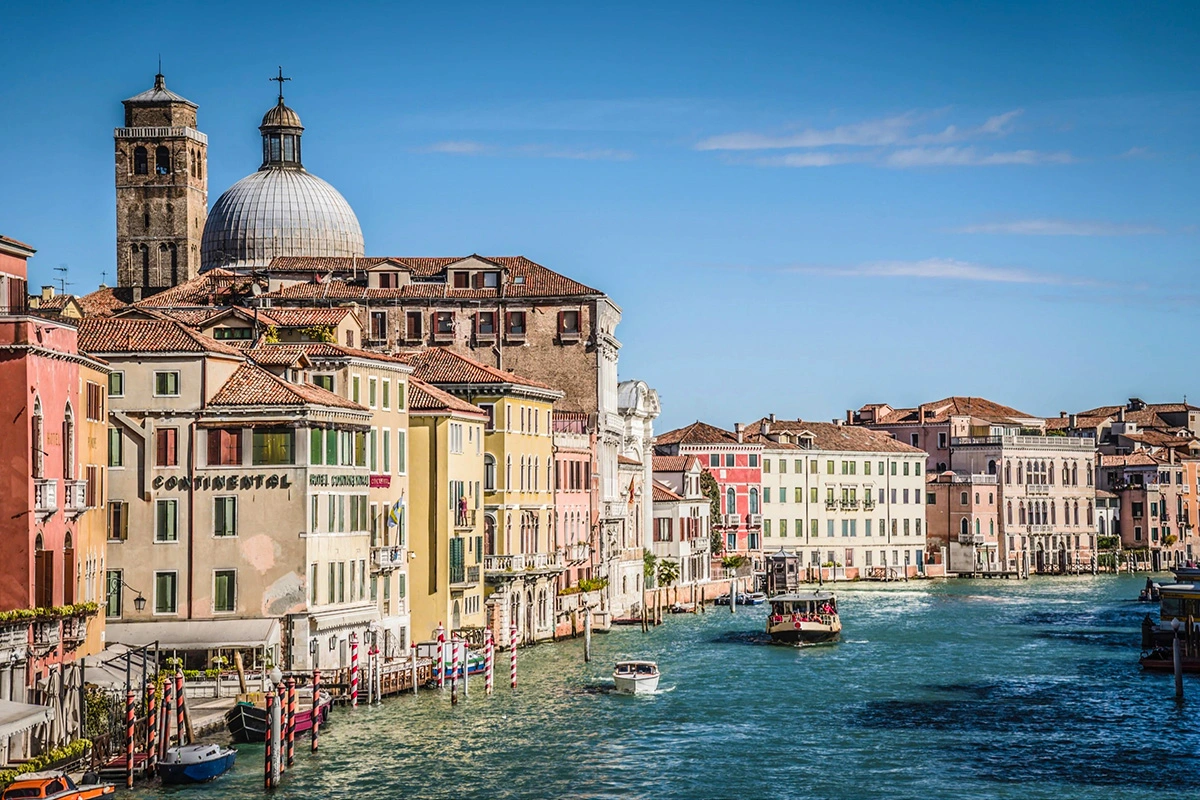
x: 196, y: 763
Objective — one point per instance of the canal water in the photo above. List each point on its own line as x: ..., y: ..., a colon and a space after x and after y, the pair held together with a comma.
x: 959, y: 689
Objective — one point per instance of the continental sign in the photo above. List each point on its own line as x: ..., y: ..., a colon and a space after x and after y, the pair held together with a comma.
x: 223, y: 482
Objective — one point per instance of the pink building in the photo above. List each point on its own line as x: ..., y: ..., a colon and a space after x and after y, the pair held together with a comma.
x: 576, y: 502
x: 737, y: 467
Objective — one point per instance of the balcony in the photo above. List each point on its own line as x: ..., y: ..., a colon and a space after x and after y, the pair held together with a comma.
x: 514, y: 565
x: 732, y: 520
x: 74, y: 630
x: 464, y: 577
x: 754, y: 520
x: 971, y: 538
x: 848, y: 503
x: 830, y: 505
x: 1037, y: 489
x: 465, y: 520
x: 46, y: 633
x: 1039, y: 528
x: 45, y: 496
x: 868, y: 504
x: 75, y: 495
x: 386, y: 559
x: 577, y: 553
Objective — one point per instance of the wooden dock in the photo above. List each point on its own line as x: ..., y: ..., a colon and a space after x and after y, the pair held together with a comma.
x: 395, y: 678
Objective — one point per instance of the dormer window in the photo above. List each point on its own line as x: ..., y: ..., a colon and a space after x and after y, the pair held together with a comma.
x: 389, y: 280
x: 519, y: 279
x: 491, y: 280
x: 462, y: 280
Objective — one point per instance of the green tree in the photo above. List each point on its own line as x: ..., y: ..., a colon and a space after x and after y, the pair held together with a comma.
x: 648, y: 568
x: 708, y: 487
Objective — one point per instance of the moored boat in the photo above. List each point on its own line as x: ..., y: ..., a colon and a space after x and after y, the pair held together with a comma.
x: 751, y: 599
x: 636, y: 677
x: 247, y: 720
x: 54, y: 786
x: 195, y: 763
x: 804, y: 617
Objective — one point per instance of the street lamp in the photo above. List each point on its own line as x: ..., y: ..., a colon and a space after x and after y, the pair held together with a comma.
x: 139, y: 602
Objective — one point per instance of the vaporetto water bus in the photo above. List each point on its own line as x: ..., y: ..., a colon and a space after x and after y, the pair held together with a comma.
x: 804, y: 617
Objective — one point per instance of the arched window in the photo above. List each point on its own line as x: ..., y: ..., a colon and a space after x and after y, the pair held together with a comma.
x: 962, y: 527
x: 145, y: 253
x: 522, y: 473
x: 992, y: 467
x: 162, y: 160
x: 68, y: 570
x: 977, y: 528
x: 1076, y: 512
x: 1019, y: 481
x: 1022, y: 512
x: 489, y: 533
x: 140, y: 163
x: 508, y: 472
x: 730, y: 501
x: 1050, y: 472
x: 43, y: 575
x: 991, y: 527
x: 977, y: 498
x: 1008, y: 473
x: 963, y: 499
x: 1090, y: 517
x: 1074, y: 474
x: 489, y: 472
x: 1009, y: 514
x: 1102, y: 526
x: 1089, y: 474
x: 68, y: 444
x: 38, y: 456
x: 1066, y: 475
x: 754, y: 501
x: 1052, y: 513
x: 174, y: 265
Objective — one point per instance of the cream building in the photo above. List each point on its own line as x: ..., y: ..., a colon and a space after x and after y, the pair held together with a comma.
x: 238, y: 502
x: 622, y: 550
x: 680, y: 531
x: 846, y: 499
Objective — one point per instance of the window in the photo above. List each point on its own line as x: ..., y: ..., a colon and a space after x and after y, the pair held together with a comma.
x: 113, y: 583
x: 485, y: 323
x: 766, y: 468
x: 116, y: 448
x: 166, y: 520
x: 714, y: 460
x: 730, y: 459
x: 118, y: 520
x: 443, y: 323
x: 829, y: 467
x: 400, y: 395
x: 913, y: 438
x: 166, y: 384
x: 412, y: 325
x: 782, y: 465
x: 224, y: 591
x: 386, y: 399
x: 941, y: 441
x: 324, y: 381
x: 224, y: 516
x: 372, y: 391
x: 116, y: 384
x: 766, y: 527
x: 489, y: 472
x: 165, y: 589
x: 225, y: 447
x: 95, y: 402
x: 516, y: 324
x: 273, y: 446
x: 354, y: 388
x: 360, y: 448
x: 753, y: 460
x: 491, y: 280
x: 379, y: 326
x: 730, y: 501
x: 754, y: 501
x: 462, y: 280
x: 568, y: 324
x: 767, y: 494
x: 166, y: 450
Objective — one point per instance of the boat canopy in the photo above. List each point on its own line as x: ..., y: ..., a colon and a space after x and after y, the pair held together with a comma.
x: 803, y: 597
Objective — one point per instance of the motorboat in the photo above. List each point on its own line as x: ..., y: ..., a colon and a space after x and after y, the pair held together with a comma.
x: 804, y: 617
x: 636, y: 677
x: 195, y: 763
x: 1189, y: 573
x: 751, y: 599
x: 247, y: 720
x: 54, y: 786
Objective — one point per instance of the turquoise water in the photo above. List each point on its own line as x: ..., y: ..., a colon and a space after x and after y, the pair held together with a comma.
x: 962, y: 689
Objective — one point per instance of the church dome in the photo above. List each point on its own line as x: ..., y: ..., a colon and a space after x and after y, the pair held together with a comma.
x: 278, y: 212
x: 281, y: 210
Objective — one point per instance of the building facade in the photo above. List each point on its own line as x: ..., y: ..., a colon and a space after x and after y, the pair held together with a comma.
x: 962, y: 519
x: 680, y: 529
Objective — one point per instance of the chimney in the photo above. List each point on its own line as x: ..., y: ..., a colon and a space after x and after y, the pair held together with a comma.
x: 766, y: 427
x: 1120, y: 415
x: 772, y: 418
x: 1062, y: 415
x: 47, y: 292
x: 1072, y: 422
x: 849, y: 417
x: 740, y: 430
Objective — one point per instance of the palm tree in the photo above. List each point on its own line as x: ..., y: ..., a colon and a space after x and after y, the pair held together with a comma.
x: 668, y: 573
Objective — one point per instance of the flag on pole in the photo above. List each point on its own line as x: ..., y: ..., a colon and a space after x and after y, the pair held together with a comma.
x: 396, y: 512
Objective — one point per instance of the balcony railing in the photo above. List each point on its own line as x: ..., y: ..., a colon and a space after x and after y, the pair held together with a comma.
x: 983, y: 478
x: 45, y: 496
x: 465, y: 520
x: 848, y: 503
x: 1039, y: 528
x: 754, y: 520
x: 521, y: 562
x: 1037, y: 488
x: 1076, y: 443
x: 868, y: 504
x: 46, y: 634
x: 732, y: 520
x: 830, y: 505
x: 389, y: 558
x: 577, y: 553
x: 75, y: 494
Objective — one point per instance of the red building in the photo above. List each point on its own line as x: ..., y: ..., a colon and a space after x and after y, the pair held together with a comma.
x: 52, y: 456
x: 737, y: 467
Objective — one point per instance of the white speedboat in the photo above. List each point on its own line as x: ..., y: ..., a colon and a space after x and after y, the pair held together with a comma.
x: 636, y: 677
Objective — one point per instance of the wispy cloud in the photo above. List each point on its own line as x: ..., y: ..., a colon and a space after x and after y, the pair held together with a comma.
x: 1060, y: 227
x: 472, y: 148
x: 945, y: 269
x: 970, y: 157
x: 896, y: 141
x: 1138, y: 152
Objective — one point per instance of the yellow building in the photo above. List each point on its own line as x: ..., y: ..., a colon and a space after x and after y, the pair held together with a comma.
x: 91, y: 530
x: 523, y: 554
x: 445, y: 451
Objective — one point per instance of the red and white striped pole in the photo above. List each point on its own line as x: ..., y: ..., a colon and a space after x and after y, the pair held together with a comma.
x: 489, y: 661
x: 168, y: 704
x: 268, y: 749
x: 130, y: 702
x: 441, y: 656
x: 512, y: 656
x: 291, y: 724
x: 453, y: 669
x: 281, y: 742
x: 151, y: 726
x: 316, y: 708
x: 353, y: 670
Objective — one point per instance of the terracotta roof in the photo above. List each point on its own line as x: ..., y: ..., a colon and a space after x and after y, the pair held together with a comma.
x: 104, y: 301
x: 1105, y: 493
x: 696, y: 433
x: 626, y: 460
x: 277, y: 355
x: 954, y: 406
x: 317, y: 350
x: 252, y: 385
x: 214, y: 287
x: 673, y: 463
x: 437, y: 365
x: 56, y: 303
x: 193, y: 316
x: 1161, y: 408
x: 14, y: 243
x: 1138, y: 459
x: 525, y: 278
x: 663, y: 493
x: 831, y: 437
x: 300, y: 317
x: 120, y: 335
x: 1156, y: 438
x: 423, y: 397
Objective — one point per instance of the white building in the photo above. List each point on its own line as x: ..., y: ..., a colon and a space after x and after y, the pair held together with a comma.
x: 680, y: 530
x: 846, y: 499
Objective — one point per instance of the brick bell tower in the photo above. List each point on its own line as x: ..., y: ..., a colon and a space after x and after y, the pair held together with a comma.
x: 162, y: 191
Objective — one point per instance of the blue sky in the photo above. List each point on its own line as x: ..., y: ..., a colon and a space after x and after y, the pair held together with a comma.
x: 800, y: 207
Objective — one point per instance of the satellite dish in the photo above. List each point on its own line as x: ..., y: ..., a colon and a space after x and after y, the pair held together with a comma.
x: 255, y: 289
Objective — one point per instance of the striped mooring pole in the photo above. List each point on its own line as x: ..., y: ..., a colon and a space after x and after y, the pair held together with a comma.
x: 268, y: 749
x: 441, y: 656
x: 181, y: 730
x: 167, y: 722
x: 281, y: 740
x: 489, y: 661
x: 130, y: 702
x: 151, y: 726
x: 512, y: 656
x: 316, y: 705
x: 453, y: 669
x: 291, y: 724
x: 353, y: 671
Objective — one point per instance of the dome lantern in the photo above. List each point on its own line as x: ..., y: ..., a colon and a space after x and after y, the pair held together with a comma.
x: 281, y: 130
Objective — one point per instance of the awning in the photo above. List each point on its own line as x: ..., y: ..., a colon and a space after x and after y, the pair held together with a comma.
x: 206, y: 634
x: 343, y: 618
x: 18, y: 717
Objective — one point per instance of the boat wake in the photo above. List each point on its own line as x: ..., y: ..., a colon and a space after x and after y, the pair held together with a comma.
x: 742, y: 637
x: 610, y: 688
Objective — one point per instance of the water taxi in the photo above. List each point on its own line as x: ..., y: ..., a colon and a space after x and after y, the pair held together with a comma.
x: 195, y: 763
x: 636, y: 677
x: 49, y: 786
x: 807, y: 617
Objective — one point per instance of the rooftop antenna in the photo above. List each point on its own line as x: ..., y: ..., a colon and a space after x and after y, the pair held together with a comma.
x: 280, y: 79
x: 103, y: 278
x: 160, y: 63
x: 63, y: 283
